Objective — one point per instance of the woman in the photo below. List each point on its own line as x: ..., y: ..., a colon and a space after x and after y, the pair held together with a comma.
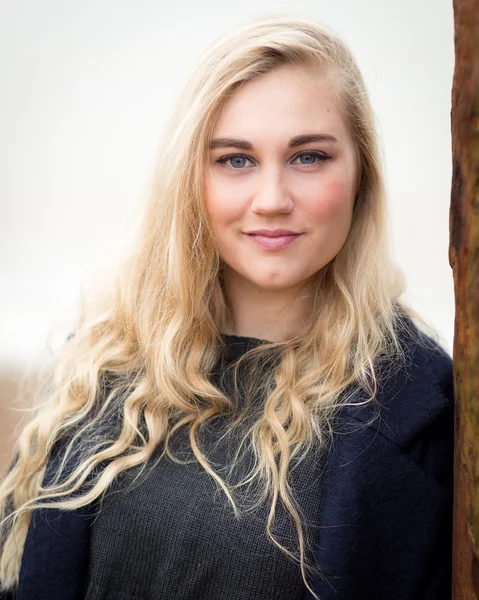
x: 250, y: 411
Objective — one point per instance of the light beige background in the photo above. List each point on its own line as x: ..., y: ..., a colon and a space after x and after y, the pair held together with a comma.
x: 85, y: 89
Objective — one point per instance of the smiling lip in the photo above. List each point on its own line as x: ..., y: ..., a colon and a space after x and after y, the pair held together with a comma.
x: 272, y: 232
x: 274, y: 242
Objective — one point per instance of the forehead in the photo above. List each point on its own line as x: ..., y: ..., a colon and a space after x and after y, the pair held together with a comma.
x: 287, y: 101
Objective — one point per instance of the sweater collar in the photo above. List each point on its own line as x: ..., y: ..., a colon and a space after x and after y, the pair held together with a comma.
x: 237, y: 345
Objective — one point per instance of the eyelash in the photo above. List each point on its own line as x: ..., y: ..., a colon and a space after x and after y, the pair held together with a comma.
x: 322, y: 158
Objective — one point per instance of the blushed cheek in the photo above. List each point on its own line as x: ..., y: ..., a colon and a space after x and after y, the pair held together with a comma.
x: 333, y: 201
x: 222, y: 203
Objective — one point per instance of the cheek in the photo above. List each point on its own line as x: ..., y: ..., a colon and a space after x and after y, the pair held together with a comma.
x: 224, y: 201
x: 331, y: 201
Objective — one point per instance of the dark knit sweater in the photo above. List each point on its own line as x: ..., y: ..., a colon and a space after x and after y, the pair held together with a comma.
x: 174, y: 534
x: 384, y: 510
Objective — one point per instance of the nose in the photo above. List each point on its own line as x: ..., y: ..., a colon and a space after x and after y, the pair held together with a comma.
x: 271, y: 194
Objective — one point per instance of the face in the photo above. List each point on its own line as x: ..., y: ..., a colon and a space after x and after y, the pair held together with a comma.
x: 281, y: 162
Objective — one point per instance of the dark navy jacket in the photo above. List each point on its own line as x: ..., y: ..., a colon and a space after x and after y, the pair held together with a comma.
x: 385, y: 510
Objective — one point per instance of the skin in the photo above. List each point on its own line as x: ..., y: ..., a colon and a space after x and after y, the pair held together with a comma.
x: 274, y: 186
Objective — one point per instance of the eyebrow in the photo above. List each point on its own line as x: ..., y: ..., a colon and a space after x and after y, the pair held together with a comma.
x: 298, y: 140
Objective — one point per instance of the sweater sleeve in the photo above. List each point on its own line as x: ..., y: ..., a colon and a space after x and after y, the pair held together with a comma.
x: 56, y: 553
x: 55, y: 556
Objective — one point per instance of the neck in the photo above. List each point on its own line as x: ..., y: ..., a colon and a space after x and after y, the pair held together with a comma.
x: 268, y: 314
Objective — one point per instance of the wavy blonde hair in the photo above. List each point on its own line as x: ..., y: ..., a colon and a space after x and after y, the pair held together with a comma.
x: 143, y: 348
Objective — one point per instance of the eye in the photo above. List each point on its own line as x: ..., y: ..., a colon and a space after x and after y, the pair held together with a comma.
x: 238, y: 161
x: 311, y: 158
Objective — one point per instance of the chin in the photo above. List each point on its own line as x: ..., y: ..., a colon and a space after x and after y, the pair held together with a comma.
x: 277, y: 284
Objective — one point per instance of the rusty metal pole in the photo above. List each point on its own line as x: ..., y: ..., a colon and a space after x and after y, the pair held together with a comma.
x: 464, y: 260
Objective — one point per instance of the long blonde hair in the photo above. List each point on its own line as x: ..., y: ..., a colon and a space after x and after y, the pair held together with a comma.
x: 143, y: 348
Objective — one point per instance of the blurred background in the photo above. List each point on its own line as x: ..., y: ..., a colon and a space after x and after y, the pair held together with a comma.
x: 85, y: 91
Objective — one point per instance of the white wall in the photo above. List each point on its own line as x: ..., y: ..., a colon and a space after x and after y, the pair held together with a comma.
x: 85, y: 90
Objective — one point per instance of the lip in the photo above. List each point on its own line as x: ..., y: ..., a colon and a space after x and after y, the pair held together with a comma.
x: 276, y: 242
x: 272, y: 232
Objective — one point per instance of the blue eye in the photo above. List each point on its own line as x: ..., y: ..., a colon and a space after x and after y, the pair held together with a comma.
x: 236, y: 161
x: 310, y: 158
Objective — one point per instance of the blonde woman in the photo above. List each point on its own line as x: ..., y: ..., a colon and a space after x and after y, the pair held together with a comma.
x: 250, y: 411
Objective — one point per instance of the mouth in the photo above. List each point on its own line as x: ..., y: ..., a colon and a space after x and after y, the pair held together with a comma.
x: 276, y: 242
x: 272, y: 232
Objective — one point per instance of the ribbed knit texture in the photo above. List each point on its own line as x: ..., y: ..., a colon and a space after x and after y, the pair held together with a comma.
x: 173, y: 534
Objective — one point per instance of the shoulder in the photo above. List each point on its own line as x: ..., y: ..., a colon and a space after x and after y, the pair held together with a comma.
x: 413, y: 395
x: 414, y: 407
